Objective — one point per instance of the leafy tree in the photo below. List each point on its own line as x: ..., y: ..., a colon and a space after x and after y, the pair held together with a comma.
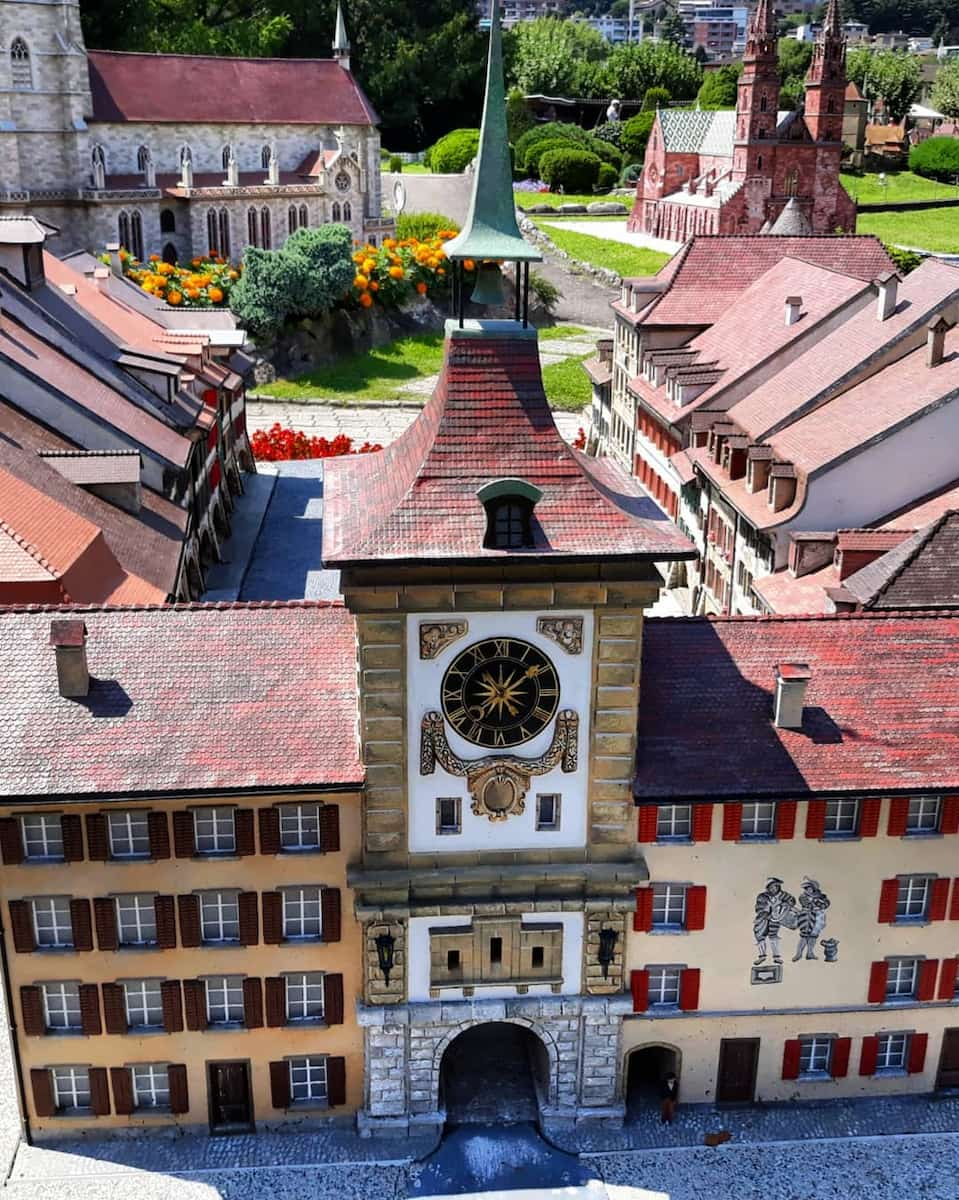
x: 884, y: 16
x: 720, y: 87
x: 671, y: 28
x: 636, y: 133
x: 857, y: 64
x: 794, y: 58
x: 634, y: 67
x: 546, y: 54
x: 518, y: 116
x: 656, y: 97
x: 936, y: 158
x: 894, y: 78
x: 945, y: 91
x: 240, y: 27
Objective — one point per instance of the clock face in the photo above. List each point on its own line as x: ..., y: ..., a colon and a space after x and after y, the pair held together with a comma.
x: 500, y: 692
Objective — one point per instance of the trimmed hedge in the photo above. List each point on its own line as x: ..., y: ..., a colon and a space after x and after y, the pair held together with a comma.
x: 535, y: 153
x: 635, y: 135
x: 452, y: 154
x: 608, y: 176
x: 570, y: 169
x: 527, y: 156
x: 936, y: 158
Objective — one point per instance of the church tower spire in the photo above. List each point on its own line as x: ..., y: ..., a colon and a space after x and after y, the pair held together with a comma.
x: 826, y: 81
x: 757, y: 102
x: 341, y: 42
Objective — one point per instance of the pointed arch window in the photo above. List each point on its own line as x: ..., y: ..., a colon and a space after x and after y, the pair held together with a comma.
x: 830, y: 105
x: 304, y: 216
x: 792, y: 182
x: 130, y: 233
x: 292, y: 217
x: 212, y: 232
x: 266, y: 232
x: 347, y: 211
x: 763, y: 102
x: 759, y: 163
x: 265, y: 158
x: 336, y: 214
x: 143, y: 157
x: 167, y: 220
x: 252, y: 227
x: 186, y: 154
x: 226, y: 155
x: 21, y: 68
x: 224, y: 243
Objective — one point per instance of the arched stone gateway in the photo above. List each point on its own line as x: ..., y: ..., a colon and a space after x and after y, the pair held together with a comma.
x: 496, y: 1072
x: 645, y: 1069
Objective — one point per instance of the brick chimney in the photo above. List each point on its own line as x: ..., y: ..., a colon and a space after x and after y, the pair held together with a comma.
x: 888, y: 286
x: 792, y: 679
x: 793, y: 309
x: 69, y: 641
x: 936, y: 341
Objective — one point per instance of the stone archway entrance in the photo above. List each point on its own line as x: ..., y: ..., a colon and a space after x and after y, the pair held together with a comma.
x: 495, y: 1073
x: 646, y: 1069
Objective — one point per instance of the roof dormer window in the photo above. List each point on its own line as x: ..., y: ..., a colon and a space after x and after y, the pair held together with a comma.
x: 509, y: 507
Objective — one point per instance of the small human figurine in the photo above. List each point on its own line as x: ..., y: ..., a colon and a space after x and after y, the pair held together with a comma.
x: 669, y: 1091
x: 612, y: 113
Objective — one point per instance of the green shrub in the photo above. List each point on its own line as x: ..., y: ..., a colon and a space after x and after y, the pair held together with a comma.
x: 905, y: 260
x: 518, y: 116
x: 452, y: 154
x: 546, y: 292
x: 656, y: 97
x: 605, y: 151
x: 608, y: 177
x: 631, y: 174
x: 326, y: 258
x: 936, y: 158
x: 535, y: 153
x: 422, y: 226
x: 636, y: 133
x: 570, y: 169
x: 265, y: 294
x: 609, y: 131
x: 396, y: 164
x: 551, y: 131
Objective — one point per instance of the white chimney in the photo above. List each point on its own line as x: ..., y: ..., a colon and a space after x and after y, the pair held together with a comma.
x: 793, y: 309
x: 69, y: 641
x: 792, y: 679
x: 116, y: 265
x: 888, y: 286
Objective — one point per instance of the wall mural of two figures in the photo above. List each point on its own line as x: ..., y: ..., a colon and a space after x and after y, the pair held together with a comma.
x: 778, y: 910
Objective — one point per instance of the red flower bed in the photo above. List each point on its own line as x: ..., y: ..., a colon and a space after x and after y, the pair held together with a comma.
x: 579, y: 443
x: 279, y: 444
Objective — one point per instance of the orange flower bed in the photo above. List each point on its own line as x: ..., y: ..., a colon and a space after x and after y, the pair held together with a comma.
x: 205, y: 283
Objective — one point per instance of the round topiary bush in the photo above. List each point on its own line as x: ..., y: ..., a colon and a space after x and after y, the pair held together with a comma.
x: 936, y: 158
x: 635, y: 135
x: 534, y: 154
x: 606, y: 152
x: 609, y: 131
x: 452, y: 154
x: 570, y: 169
x: 608, y: 177
x: 551, y: 131
x: 396, y: 164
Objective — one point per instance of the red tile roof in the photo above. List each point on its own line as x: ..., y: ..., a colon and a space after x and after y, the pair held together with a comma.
x: 197, y: 89
x: 184, y: 699
x: 922, y: 571
x: 488, y: 420
x: 882, y: 706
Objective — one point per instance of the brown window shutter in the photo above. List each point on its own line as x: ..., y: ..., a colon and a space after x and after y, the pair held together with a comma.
x: 159, y: 830
x: 41, y: 1082
x: 114, y: 1008
x: 252, y: 1003
x: 71, y: 830
x: 275, y: 1002
x: 330, y: 827
x: 333, y: 999
x: 248, y: 904
x: 21, y: 924
x: 98, y: 844
x: 99, y: 1091
x: 105, y: 917
x: 336, y: 1081
x: 190, y: 931
x: 280, y: 1084
x: 82, y: 922
x: 269, y: 830
x: 31, y: 1010
x: 243, y: 831
x: 172, y: 1001
x: 122, y: 1081
x: 164, y: 908
x: 194, y: 1004
x: 273, y: 918
x: 90, y: 1009
x: 179, y: 1092
x: 11, y: 843
x: 898, y: 816
x: 330, y: 907
x: 184, y: 839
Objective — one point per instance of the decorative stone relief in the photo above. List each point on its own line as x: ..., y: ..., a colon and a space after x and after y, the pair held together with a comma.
x: 564, y: 631
x: 776, y: 910
x: 377, y: 989
x: 604, y: 978
x: 436, y: 636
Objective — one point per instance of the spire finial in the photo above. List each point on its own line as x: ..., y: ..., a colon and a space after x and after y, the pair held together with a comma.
x: 341, y: 42
x: 832, y: 25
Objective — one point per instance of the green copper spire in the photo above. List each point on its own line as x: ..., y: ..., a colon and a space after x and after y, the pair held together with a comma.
x: 491, y: 230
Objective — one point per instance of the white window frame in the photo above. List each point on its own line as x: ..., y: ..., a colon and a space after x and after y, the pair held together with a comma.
x: 71, y: 1088
x: 224, y: 999
x: 912, y: 899
x: 143, y: 1000
x: 892, y: 1053
x: 217, y: 839
x: 815, y: 1056
x: 305, y: 997
x: 124, y: 835
x: 449, y: 828
x: 553, y: 825
x: 219, y: 910
x: 902, y: 978
x: 669, y: 905
x: 42, y: 837
x: 61, y: 923
x: 308, y: 1080
x: 61, y: 1000
x: 151, y: 1086
x: 842, y: 817
x: 670, y: 819
x: 664, y: 984
x: 301, y: 823
x: 295, y: 918
x: 921, y: 808
x: 761, y: 813
x: 136, y: 914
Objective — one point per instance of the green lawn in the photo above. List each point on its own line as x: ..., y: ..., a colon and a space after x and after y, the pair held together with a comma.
x: 415, y: 169
x: 567, y: 385
x: 616, y: 256
x: 928, y: 229
x: 553, y: 199
x: 553, y: 333
x: 900, y: 186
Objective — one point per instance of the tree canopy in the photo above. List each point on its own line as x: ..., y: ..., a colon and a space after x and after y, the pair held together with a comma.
x: 945, y: 91
x: 891, y: 76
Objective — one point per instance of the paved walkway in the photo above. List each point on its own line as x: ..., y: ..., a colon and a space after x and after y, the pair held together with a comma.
x: 613, y: 229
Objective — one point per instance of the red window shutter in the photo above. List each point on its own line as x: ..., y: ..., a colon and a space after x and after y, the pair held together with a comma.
x: 949, y: 822
x: 938, y: 899
x: 702, y: 822
x: 248, y: 904
x: 105, y: 917
x: 21, y: 925
x: 689, y: 989
x: 11, y: 843
x: 335, y: 1081
x: 71, y: 830
x: 898, y: 816
x: 82, y: 922
x: 164, y: 907
x: 252, y: 1003
x: 878, y: 976
x: 172, y: 1000
x: 954, y: 906
x: 917, y: 1053
x: 643, y: 917
x: 791, y: 1052
x: 280, y: 1084
x: 926, y: 983
x: 190, y: 931
x: 815, y: 819
x: 158, y: 828
x: 194, y: 1004
x: 269, y: 830
x: 275, y: 1002
x: 41, y: 1082
x: 179, y: 1092
x: 272, y: 918
x: 98, y: 844
x: 243, y: 823
x: 99, y: 1091
x: 948, y: 977
x: 888, y: 895
x: 31, y: 1010
x: 869, y: 1056
x: 329, y: 828
x: 330, y: 909
x: 122, y: 1081
x: 184, y: 837
x: 696, y: 908
x: 90, y: 1009
x: 114, y: 1008
x: 869, y: 810
x: 732, y: 822
x: 786, y: 819
x: 839, y: 1060
x: 639, y: 986
x: 333, y: 999
x: 648, y: 817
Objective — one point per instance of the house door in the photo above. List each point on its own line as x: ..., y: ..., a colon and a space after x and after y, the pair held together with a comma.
x: 948, y: 1076
x: 738, y: 1058
x: 231, y: 1109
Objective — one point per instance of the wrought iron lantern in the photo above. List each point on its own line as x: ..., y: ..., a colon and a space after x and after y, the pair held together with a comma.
x: 386, y: 954
x: 607, y: 948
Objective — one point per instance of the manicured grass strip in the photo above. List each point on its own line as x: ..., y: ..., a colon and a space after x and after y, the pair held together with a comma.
x: 554, y: 199
x: 929, y: 229
x: 373, y: 375
x: 567, y: 385
x: 900, y: 186
x: 553, y: 333
x: 615, y: 256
